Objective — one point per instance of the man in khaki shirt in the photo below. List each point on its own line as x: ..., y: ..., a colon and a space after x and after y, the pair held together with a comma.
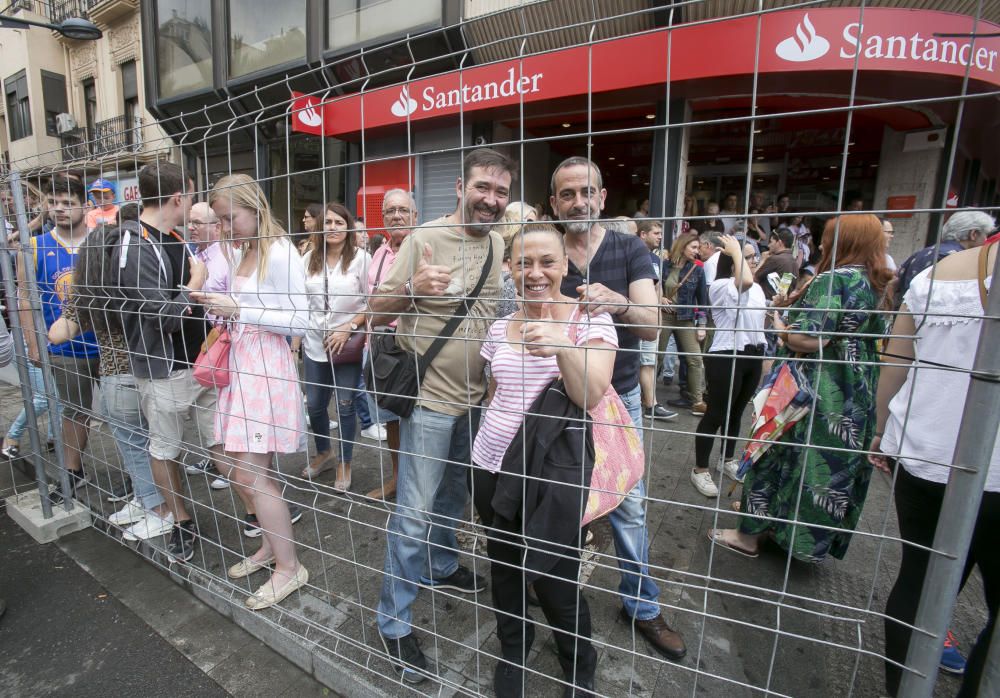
x: 438, y: 266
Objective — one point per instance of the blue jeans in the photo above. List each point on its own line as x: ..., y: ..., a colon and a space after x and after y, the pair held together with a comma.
x: 323, y: 379
x: 120, y: 407
x: 361, y: 401
x: 431, y: 494
x: 628, y: 526
x: 20, y: 423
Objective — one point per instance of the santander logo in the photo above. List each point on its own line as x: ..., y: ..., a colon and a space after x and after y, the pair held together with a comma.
x: 310, y: 116
x: 806, y: 45
x: 405, y: 105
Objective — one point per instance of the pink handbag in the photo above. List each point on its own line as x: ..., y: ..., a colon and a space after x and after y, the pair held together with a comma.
x: 211, y: 368
x: 619, y: 460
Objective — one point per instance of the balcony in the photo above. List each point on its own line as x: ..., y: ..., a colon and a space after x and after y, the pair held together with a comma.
x: 64, y: 9
x: 108, y: 138
x: 105, y: 12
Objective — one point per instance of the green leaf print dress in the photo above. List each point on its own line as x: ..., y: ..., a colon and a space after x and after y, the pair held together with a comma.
x: 833, y: 484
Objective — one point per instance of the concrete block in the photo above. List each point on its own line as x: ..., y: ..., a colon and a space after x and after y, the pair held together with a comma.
x: 26, y: 510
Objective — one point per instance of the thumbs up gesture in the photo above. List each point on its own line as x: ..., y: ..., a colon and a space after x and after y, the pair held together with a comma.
x: 430, y: 279
x: 544, y: 335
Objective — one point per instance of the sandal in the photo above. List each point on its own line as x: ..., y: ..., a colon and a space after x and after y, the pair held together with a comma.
x: 320, y: 463
x: 717, y: 536
x: 342, y: 483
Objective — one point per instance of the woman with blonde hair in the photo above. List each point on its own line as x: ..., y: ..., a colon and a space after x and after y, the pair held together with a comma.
x: 511, y: 223
x: 684, y: 300
x: 817, y: 476
x: 260, y: 411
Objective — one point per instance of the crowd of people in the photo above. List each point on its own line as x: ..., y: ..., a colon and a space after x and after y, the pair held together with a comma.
x: 518, y: 323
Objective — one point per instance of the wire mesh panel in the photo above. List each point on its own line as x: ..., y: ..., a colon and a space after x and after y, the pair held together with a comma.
x: 616, y: 348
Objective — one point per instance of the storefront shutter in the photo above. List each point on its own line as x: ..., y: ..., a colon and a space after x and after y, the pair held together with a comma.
x: 436, y: 185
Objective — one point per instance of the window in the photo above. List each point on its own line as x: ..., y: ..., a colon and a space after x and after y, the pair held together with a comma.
x: 254, y: 45
x: 18, y: 108
x: 353, y: 22
x: 184, y: 46
x: 90, y: 104
x: 54, y: 98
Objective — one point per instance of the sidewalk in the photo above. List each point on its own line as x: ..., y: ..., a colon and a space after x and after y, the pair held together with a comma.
x: 746, y: 627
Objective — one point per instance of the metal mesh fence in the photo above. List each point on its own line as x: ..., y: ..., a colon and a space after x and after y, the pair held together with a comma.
x: 759, y: 550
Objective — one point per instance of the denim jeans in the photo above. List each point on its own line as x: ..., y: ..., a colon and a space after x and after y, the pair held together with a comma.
x: 361, y: 401
x: 323, y: 380
x: 628, y: 526
x: 20, y: 423
x: 120, y: 407
x: 431, y: 495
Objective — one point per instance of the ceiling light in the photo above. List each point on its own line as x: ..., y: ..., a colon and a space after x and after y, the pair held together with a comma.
x: 650, y: 116
x: 621, y: 164
x: 567, y: 125
x: 611, y: 159
x: 833, y: 167
x: 760, y: 157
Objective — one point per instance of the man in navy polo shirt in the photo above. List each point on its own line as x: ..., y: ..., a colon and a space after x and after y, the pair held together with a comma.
x: 611, y: 272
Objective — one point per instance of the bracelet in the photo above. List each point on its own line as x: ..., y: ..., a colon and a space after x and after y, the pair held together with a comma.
x: 623, y: 311
x: 880, y: 434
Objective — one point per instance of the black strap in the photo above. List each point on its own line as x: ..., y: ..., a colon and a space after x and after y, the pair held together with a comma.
x: 449, y: 329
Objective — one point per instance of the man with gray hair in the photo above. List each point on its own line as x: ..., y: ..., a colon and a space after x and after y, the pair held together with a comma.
x: 710, y: 250
x: 965, y: 229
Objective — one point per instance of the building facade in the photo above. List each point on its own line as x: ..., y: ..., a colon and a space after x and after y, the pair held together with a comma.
x: 342, y: 100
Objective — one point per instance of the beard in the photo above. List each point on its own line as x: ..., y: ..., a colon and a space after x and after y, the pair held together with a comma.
x: 481, y: 228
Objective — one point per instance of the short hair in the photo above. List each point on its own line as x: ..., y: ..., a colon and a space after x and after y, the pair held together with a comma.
x: 575, y: 161
x: 129, y: 212
x: 159, y: 180
x: 712, y: 238
x: 66, y: 185
x: 785, y: 236
x: 397, y: 192
x: 488, y: 159
x: 616, y: 225
x: 962, y: 224
x: 647, y: 224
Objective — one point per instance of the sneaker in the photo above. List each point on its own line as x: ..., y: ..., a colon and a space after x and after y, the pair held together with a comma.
x: 376, y: 432
x: 251, y: 526
x: 952, y: 660
x: 704, y: 483
x: 121, y: 491
x: 667, y: 381
x: 732, y: 469
x: 660, y: 412
x: 461, y: 580
x: 699, y: 408
x: 219, y: 483
x: 181, y: 545
x: 129, y: 514
x: 681, y: 402
x: 405, y: 655
x: 203, y: 467
x: 151, y: 526
x: 333, y: 425
x: 78, y: 484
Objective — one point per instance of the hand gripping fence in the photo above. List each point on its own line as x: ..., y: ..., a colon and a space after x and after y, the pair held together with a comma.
x: 440, y: 553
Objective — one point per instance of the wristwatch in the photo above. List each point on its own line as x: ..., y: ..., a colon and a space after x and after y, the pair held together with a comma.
x: 354, y: 326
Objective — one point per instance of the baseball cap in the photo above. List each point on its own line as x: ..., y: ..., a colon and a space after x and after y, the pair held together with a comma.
x: 102, y: 185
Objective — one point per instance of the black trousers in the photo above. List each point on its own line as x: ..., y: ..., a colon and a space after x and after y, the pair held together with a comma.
x: 744, y: 370
x: 918, y: 504
x: 565, y: 609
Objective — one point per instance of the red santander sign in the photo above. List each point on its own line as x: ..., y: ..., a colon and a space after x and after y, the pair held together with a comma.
x: 813, y: 40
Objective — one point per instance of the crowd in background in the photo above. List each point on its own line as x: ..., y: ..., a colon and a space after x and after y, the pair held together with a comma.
x: 529, y: 318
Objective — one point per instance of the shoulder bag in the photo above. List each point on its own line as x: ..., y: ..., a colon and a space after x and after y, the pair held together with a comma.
x: 353, y: 350
x: 394, y: 375
x: 211, y: 368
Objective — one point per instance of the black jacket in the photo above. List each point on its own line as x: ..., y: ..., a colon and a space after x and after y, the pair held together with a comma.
x: 545, y: 478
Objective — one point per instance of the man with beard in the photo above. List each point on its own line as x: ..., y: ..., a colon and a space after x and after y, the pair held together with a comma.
x: 399, y: 216
x: 438, y: 265
x: 610, y: 272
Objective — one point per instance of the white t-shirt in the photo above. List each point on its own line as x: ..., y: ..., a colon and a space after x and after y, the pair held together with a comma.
x: 750, y: 315
x: 948, y: 334
x: 334, y: 302
x: 711, y: 264
x: 520, y: 378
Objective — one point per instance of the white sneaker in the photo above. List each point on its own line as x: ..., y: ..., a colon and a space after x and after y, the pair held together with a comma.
x: 333, y: 425
x: 151, y: 526
x: 219, y: 483
x: 376, y: 432
x: 704, y: 483
x: 731, y: 468
x: 129, y: 514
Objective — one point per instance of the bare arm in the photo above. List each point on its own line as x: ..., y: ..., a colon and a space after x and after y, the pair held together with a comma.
x: 893, y: 371
x: 24, y: 309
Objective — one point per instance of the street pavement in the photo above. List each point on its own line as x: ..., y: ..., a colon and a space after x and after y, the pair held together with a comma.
x: 792, y: 629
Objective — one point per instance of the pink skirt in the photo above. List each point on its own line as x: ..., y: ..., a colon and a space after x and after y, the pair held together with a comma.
x: 260, y: 411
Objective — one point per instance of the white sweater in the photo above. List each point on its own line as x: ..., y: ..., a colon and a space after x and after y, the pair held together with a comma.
x: 277, y: 303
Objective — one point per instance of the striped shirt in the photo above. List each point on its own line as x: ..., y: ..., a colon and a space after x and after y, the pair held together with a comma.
x: 520, y: 378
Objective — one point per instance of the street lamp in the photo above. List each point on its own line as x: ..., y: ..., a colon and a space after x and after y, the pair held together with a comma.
x: 71, y: 27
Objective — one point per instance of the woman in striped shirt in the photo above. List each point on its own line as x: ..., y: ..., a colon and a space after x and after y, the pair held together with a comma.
x: 548, y: 337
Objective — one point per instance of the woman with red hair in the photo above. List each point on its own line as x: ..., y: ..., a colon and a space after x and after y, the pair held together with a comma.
x: 807, y: 491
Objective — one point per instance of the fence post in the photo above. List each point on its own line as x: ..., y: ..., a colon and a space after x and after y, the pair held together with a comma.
x: 21, y: 361
x: 959, y: 510
x: 41, y: 331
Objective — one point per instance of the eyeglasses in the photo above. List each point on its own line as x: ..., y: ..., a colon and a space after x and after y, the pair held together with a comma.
x: 195, y: 222
x: 397, y: 210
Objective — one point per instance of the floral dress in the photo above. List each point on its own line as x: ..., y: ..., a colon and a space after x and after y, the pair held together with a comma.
x: 833, y: 483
